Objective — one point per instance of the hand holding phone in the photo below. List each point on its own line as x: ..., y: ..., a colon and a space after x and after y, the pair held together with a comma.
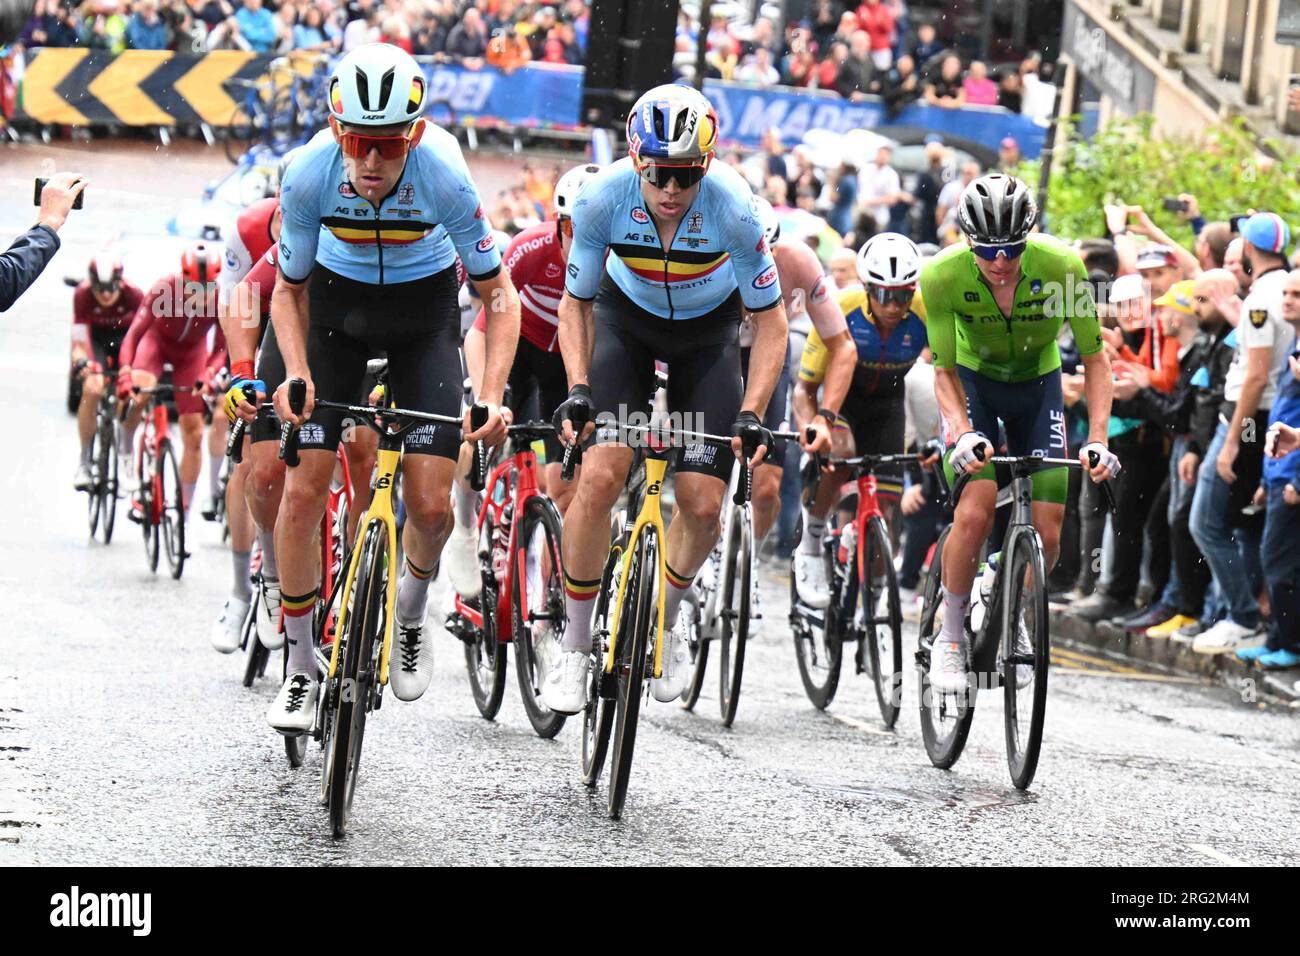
x: 56, y: 197
x: 1174, y: 205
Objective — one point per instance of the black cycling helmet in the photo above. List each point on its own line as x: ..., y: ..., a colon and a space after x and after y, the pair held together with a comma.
x: 996, y: 209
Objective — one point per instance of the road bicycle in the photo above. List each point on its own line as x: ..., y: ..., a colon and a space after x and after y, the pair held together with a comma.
x: 358, y: 659
x: 280, y: 110
x: 628, y: 627
x: 1014, y: 632
x: 864, y: 604
x: 101, y: 496
x: 333, y: 555
x: 719, y: 609
x: 159, y: 506
x: 523, y: 583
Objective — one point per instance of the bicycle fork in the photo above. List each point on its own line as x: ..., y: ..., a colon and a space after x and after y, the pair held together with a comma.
x: 651, y: 514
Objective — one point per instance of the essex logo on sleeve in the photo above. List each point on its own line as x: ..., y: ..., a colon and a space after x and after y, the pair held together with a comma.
x: 1258, y: 317
x: 346, y: 191
x: 485, y: 244
x: 766, y: 279
x: 639, y: 215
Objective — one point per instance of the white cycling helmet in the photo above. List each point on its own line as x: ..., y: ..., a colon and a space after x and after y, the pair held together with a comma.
x: 890, y: 260
x: 377, y: 84
x: 570, y: 184
x: 672, y: 123
x: 768, y: 220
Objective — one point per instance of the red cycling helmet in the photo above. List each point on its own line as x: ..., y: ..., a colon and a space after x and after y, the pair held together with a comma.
x: 105, y: 273
x: 200, y: 264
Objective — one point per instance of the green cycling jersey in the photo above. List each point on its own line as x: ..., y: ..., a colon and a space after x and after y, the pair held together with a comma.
x: 967, y: 328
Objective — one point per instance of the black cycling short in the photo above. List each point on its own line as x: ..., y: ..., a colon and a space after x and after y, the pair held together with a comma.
x: 105, y: 343
x: 538, y: 386
x: 417, y: 324
x: 704, y: 386
x: 878, y: 425
x: 777, y: 416
x: 270, y: 369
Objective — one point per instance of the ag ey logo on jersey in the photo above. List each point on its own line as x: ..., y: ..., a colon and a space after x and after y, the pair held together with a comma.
x: 484, y: 244
x: 766, y: 279
x: 1258, y: 317
x: 346, y: 191
x: 639, y: 215
x: 406, y: 194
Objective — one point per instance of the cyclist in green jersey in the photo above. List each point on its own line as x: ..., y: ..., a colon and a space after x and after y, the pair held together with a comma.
x: 995, y: 308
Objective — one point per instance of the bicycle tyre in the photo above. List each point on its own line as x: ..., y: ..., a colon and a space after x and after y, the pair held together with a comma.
x: 944, y: 741
x: 598, y: 714
x: 641, y: 608
x: 173, y: 509
x: 819, y: 669
x: 539, y: 514
x: 255, y: 652
x: 94, y: 496
x: 735, y: 615
x: 149, y: 487
x: 485, y: 656
x: 1026, y: 558
x: 108, y: 477
x: 364, y: 630
x: 295, y: 747
x: 699, y: 648
x: 884, y: 639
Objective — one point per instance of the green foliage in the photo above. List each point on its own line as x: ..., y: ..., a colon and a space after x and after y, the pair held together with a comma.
x: 1126, y: 163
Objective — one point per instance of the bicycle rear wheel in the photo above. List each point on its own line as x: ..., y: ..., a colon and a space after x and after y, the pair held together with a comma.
x: 255, y: 652
x: 94, y: 496
x: 598, y: 714
x: 538, y: 582
x: 699, y: 647
x: 173, y: 509
x: 107, y: 477
x: 640, y: 608
x: 149, y: 489
x: 818, y: 644
x: 734, y: 625
x: 361, y: 640
x: 945, y: 718
x: 1025, y: 707
x: 884, y: 635
x: 295, y: 747
x: 485, y: 655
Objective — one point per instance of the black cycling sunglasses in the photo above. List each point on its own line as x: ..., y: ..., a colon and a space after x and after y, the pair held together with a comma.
x: 991, y: 251
x: 658, y: 175
x: 887, y: 294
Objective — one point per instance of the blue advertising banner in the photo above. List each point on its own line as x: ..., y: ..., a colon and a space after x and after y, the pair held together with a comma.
x: 545, y: 96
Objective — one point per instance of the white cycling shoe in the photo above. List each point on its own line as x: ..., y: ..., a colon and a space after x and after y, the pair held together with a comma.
x: 410, y: 668
x: 565, y: 690
x: 294, y: 709
x: 948, y: 665
x: 269, y: 630
x: 229, y: 625
x: 676, y: 665
x: 82, y: 480
x: 460, y: 558
x: 810, y: 580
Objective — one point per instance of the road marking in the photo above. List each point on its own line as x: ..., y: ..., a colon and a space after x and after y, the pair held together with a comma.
x: 862, y: 725
x: 1158, y: 678
x: 1207, y: 850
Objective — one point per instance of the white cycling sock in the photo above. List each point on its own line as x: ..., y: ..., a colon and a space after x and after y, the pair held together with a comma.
x: 465, y: 503
x: 678, y: 588
x: 269, y: 569
x: 814, y: 529
x: 579, y: 605
x: 214, y: 475
x: 243, y: 588
x: 297, y: 613
x: 955, y: 607
x: 126, y: 440
x: 413, y: 594
x: 187, y: 494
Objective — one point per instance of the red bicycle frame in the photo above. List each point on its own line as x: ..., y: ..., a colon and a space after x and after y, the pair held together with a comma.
x: 159, y: 425
x: 519, y: 472
x: 331, y: 564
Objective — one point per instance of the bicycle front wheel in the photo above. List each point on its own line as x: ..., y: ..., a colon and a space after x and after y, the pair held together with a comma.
x: 738, y: 584
x: 361, y: 640
x: 150, y: 488
x: 537, y: 605
x: 818, y: 641
x: 598, y: 714
x: 106, y: 478
x: 95, y: 497
x: 945, y: 718
x: 485, y: 655
x: 883, y: 619
x: 1026, y: 653
x: 640, y: 609
x: 173, y: 509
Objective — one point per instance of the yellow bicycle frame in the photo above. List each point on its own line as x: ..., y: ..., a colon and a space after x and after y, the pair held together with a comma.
x: 650, y: 514
x: 381, y: 509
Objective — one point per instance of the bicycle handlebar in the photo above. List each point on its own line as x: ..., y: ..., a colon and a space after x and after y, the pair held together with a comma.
x: 478, y: 416
x: 235, y: 443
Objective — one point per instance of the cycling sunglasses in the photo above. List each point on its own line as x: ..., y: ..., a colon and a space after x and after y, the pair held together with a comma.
x: 990, y: 253
x: 103, y: 287
x: 657, y: 175
x: 900, y: 294
x: 359, y: 145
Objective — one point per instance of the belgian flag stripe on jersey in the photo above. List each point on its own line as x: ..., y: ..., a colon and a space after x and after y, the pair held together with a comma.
x: 682, y: 265
x: 392, y: 232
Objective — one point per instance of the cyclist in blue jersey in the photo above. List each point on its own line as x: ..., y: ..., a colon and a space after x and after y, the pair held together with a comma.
x: 364, y: 269
x: 663, y: 257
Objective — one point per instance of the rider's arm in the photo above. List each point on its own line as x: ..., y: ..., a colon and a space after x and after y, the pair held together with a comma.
x: 240, y: 320
x: 300, y: 211
x: 577, y: 337
x: 289, y: 318
x: 760, y: 292
x: 145, y: 315
x: 766, y: 357
x: 81, y: 303
x: 218, y: 357
x: 502, y: 307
